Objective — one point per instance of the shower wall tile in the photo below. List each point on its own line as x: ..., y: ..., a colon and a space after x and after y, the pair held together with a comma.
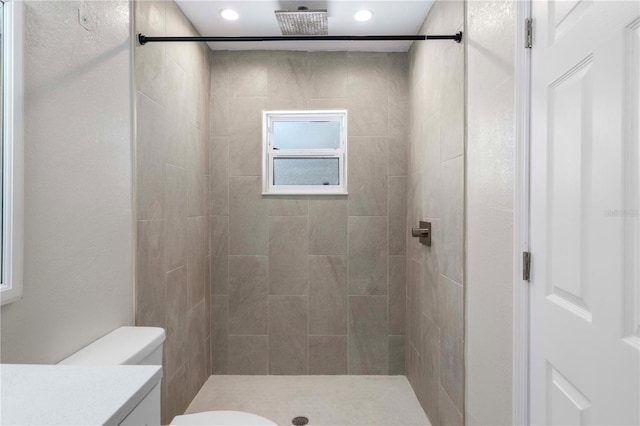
x: 151, y: 280
x: 397, y: 294
x: 249, y: 76
x: 197, y: 243
x: 219, y: 101
x: 288, y: 78
x: 396, y: 355
x: 219, y: 255
x: 397, y: 203
x: 368, y: 158
x: 151, y: 149
x: 328, y: 225
x: 219, y: 333
x: 178, y: 396
x: 452, y: 183
x: 177, y: 320
x: 198, y: 333
x: 219, y: 176
x: 397, y: 146
x: 369, y: 345
x: 328, y: 295
x: 248, y: 217
x: 429, y: 351
x: 172, y: 163
x: 398, y: 116
x: 247, y: 355
x: 248, y: 294
x: 245, y: 143
x: 311, y: 252
x: 329, y: 73
x: 449, y: 414
x: 288, y: 206
x: 176, y: 223
x: 328, y: 355
x: 288, y: 334
x: 288, y: 255
x: 435, y: 193
x: 367, y: 255
x: 367, y: 94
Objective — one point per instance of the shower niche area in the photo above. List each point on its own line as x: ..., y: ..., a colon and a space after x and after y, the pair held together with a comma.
x: 253, y: 284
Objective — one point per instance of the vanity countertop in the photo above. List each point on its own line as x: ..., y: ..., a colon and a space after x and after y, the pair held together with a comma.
x: 72, y: 394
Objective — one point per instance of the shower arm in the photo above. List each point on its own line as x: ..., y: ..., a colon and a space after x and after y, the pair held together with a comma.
x: 143, y: 39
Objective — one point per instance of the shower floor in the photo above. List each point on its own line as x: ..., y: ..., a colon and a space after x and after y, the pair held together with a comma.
x: 325, y: 400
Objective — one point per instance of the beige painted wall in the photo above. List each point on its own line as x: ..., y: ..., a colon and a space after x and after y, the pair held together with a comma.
x: 490, y: 191
x: 78, y: 255
x: 172, y: 102
x: 309, y: 285
x: 435, y: 366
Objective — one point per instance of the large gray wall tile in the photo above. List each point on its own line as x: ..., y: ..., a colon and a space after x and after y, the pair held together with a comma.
x: 328, y: 225
x: 327, y: 355
x: 219, y: 333
x: 248, y: 295
x: 328, y: 295
x: 248, y: 217
x: 247, y: 355
x: 367, y: 255
x: 368, y: 332
x: 367, y: 176
x: 397, y: 294
x: 288, y: 255
x: 310, y: 243
x: 288, y: 334
x: 219, y: 254
x: 397, y: 194
x: 328, y: 74
x: 197, y: 248
x: 151, y: 303
x: 396, y: 355
x: 177, y: 321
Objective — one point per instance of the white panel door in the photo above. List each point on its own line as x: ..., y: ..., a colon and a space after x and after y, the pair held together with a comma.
x: 585, y: 304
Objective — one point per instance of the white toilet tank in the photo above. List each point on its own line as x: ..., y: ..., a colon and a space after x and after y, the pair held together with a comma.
x: 123, y: 346
x: 128, y: 346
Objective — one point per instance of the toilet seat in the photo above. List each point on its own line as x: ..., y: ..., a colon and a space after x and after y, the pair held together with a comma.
x: 235, y: 418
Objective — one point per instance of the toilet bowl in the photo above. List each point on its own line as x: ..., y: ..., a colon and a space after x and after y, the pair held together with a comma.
x: 231, y: 418
x: 143, y: 346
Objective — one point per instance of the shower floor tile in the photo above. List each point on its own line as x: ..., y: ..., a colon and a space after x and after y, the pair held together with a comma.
x: 325, y: 400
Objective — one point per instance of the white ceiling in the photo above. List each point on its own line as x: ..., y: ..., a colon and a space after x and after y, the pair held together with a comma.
x: 257, y: 18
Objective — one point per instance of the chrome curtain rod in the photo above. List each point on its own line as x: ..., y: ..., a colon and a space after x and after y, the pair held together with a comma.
x: 143, y: 39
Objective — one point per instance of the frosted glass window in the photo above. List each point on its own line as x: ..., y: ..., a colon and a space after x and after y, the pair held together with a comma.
x: 306, y: 135
x: 304, y: 152
x: 306, y: 171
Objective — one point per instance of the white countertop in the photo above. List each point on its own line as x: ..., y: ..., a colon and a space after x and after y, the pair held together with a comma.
x: 72, y: 394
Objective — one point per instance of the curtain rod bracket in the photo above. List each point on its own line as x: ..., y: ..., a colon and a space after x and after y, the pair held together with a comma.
x: 143, y: 39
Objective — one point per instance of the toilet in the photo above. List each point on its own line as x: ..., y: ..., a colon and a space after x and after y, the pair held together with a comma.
x: 143, y: 346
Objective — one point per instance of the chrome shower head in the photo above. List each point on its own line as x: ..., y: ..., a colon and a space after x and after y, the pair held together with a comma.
x: 303, y: 21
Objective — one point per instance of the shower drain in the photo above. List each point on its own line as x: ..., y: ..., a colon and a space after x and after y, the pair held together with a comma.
x: 299, y: 421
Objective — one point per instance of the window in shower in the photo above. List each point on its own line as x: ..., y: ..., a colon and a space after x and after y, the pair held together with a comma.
x: 10, y: 150
x: 304, y: 152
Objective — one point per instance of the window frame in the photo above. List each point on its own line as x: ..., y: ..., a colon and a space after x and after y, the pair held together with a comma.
x: 12, y: 152
x: 269, y: 154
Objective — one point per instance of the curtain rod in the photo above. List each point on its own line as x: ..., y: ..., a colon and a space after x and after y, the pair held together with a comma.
x: 143, y: 39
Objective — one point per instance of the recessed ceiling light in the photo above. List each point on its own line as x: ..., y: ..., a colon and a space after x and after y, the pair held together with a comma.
x: 229, y: 14
x: 363, y: 15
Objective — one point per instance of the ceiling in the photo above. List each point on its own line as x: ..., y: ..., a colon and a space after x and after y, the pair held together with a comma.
x: 399, y: 17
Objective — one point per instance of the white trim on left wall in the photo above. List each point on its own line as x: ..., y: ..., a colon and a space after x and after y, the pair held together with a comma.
x: 521, y: 292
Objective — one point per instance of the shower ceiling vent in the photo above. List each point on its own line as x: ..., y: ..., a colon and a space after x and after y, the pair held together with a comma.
x: 303, y: 22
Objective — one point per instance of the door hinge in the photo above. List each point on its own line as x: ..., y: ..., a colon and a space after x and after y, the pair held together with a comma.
x: 526, y: 265
x: 528, y: 35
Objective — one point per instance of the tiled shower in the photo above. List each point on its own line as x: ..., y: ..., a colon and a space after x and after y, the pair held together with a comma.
x: 253, y: 284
